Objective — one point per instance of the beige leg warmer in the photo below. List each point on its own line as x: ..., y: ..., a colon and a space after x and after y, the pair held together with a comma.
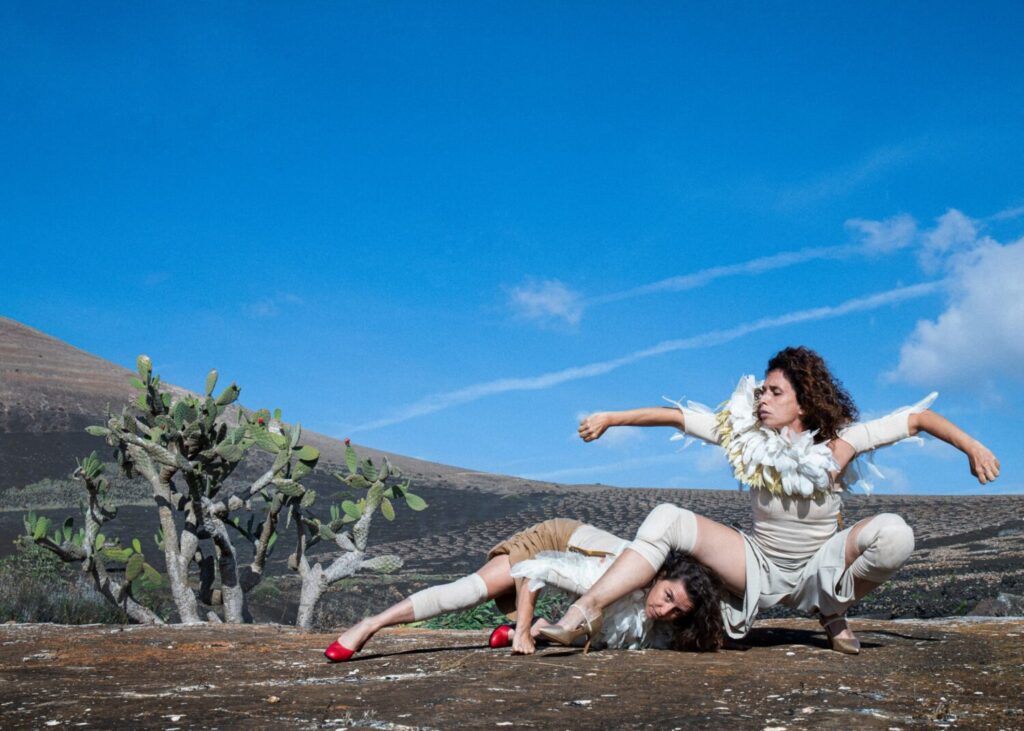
x: 462, y: 594
x: 666, y: 527
x: 884, y: 544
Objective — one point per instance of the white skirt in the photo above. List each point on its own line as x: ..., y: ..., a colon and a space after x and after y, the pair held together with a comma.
x: 821, y: 585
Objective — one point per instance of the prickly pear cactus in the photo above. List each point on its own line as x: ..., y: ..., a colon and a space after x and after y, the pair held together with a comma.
x: 187, y: 446
x: 377, y: 488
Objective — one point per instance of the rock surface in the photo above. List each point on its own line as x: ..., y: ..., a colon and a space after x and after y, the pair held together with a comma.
x: 910, y: 674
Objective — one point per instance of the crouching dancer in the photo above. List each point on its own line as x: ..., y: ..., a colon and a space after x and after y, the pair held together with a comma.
x: 676, y: 608
x: 790, y: 439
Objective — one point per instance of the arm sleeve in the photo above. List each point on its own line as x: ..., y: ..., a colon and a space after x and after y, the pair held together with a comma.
x: 867, y: 435
x: 698, y: 421
x: 700, y: 425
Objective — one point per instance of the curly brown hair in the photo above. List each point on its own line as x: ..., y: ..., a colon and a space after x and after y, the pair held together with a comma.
x: 827, y: 406
x: 701, y: 629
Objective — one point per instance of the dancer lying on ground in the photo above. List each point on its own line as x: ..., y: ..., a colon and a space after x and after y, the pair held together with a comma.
x: 569, y: 556
x: 790, y: 440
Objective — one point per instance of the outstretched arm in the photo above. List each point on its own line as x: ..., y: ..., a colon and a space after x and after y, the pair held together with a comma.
x: 596, y: 424
x: 984, y: 464
x: 864, y: 436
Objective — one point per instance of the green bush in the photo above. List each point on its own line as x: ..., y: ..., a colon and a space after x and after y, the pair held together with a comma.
x: 36, y: 586
x: 486, y: 616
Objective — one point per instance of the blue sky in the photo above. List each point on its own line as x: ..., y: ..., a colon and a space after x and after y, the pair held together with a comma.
x: 449, y: 231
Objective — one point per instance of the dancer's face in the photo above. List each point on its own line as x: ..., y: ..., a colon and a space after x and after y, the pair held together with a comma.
x: 777, y: 406
x: 667, y: 600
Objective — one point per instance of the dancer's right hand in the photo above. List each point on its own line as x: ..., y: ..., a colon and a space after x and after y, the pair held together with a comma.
x: 593, y: 426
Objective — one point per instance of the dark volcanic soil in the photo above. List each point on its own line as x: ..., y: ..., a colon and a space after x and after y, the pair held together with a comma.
x: 939, y: 674
x: 968, y: 548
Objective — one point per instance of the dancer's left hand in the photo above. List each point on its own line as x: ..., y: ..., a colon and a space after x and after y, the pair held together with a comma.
x: 984, y: 464
x: 522, y: 644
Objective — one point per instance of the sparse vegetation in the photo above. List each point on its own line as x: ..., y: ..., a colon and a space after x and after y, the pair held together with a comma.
x: 550, y: 605
x: 186, y: 451
x: 36, y: 586
x: 49, y: 493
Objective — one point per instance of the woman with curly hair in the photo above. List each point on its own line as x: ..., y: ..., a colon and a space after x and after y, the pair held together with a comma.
x: 676, y: 608
x: 791, y: 440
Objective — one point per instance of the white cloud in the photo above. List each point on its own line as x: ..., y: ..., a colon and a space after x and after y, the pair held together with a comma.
x: 895, y: 481
x: 711, y: 461
x: 1007, y: 214
x: 271, y: 306
x: 884, y: 237
x: 953, y: 233
x: 547, y: 301
x: 981, y: 332
x: 262, y: 309
x: 448, y: 399
x: 843, y: 180
x: 551, y: 300
x: 703, y: 277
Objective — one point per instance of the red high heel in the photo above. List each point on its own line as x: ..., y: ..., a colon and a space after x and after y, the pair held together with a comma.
x: 337, y: 652
x: 501, y: 637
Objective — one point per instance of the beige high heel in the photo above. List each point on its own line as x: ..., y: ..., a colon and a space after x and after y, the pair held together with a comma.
x: 590, y: 627
x: 839, y: 644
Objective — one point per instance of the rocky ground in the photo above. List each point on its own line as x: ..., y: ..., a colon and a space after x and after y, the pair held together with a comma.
x: 910, y: 674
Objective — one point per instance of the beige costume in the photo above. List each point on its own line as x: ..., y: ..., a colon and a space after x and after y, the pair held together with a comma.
x: 557, y: 534
x: 794, y: 554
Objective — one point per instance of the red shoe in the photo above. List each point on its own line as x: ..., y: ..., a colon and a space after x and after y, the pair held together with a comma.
x: 337, y: 652
x: 501, y: 637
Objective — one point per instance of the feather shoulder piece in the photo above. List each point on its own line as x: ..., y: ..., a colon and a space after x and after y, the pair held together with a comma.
x: 782, y: 462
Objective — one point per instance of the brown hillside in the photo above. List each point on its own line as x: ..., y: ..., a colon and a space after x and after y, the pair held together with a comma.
x: 50, y: 391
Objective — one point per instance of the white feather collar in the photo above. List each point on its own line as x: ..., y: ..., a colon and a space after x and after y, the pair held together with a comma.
x: 782, y: 462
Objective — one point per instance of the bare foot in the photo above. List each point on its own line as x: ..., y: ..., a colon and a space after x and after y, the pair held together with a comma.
x: 356, y: 636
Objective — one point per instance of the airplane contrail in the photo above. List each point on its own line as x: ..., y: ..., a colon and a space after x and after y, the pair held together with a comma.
x: 440, y: 401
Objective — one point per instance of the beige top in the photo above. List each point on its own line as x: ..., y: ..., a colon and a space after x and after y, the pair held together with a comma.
x: 791, y: 529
